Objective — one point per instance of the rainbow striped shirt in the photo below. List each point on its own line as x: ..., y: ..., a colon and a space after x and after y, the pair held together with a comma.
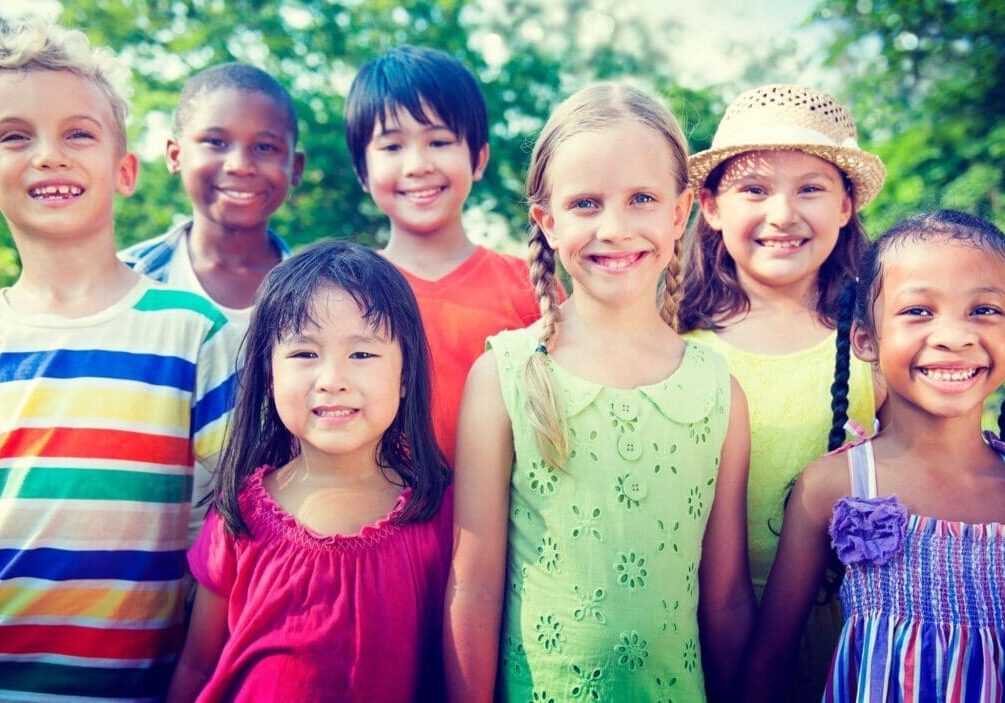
x: 101, y: 419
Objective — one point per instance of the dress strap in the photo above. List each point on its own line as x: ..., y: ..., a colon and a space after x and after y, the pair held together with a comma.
x: 862, y: 470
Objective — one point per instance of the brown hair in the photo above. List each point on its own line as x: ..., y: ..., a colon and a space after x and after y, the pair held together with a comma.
x: 712, y: 291
x: 591, y: 109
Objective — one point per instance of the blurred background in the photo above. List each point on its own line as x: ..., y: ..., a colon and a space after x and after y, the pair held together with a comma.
x: 924, y: 80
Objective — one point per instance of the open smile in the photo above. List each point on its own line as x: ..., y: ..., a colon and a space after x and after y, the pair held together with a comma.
x: 616, y: 262
x: 421, y: 195
x: 56, y: 192
x: 793, y: 243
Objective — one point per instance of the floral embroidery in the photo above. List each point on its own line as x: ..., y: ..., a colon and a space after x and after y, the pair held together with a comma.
x: 666, y: 536
x: 632, y: 651
x: 586, y: 524
x: 542, y: 478
x: 588, y: 682
x: 669, y: 623
x: 542, y: 697
x: 695, y: 504
x: 548, y: 554
x: 700, y: 431
x: 690, y: 655
x: 549, y: 633
x: 631, y: 570
x: 623, y: 497
x: 868, y: 530
x: 589, y: 606
x: 689, y: 578
x: 664, y: 684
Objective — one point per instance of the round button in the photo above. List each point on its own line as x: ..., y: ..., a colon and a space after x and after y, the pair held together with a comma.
x: 635, y: 487
x: 630, y: 446
x: 626, y: 410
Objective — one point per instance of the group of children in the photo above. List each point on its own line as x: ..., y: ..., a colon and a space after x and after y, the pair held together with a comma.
x: 589, y: 510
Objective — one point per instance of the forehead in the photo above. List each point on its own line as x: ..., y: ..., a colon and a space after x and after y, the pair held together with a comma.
x: 939, y: 265
x: 236, y: 109
x: 332, y: 311
x: 52, y: 95
x: 398, y: 116
x: 772, y: 163
x: 621, y: 154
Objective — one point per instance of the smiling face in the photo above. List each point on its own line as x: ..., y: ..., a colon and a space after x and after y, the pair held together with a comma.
x: 60, y: 160
x: 614, y: 211
x: 939, y: 323
x: 780, y: 214
x: 236, y: 157
x: 337, y: 385
x: 420, y: 175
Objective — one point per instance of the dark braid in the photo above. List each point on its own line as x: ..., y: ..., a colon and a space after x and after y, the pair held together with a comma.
x: 842, y: 367
x: 1001, y: 421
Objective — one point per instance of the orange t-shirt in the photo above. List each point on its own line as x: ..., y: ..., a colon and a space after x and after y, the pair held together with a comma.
x: 489, y: 292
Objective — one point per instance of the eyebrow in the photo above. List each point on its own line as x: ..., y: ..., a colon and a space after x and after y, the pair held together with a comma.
x: 425, y: 128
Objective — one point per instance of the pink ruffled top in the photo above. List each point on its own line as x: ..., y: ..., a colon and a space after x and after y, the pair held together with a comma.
x: 326, y: 618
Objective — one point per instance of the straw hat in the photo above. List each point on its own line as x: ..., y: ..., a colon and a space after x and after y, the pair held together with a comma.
x: 778, y: 117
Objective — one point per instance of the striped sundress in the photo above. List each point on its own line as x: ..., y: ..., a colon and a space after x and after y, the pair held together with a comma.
x: 923, y: 599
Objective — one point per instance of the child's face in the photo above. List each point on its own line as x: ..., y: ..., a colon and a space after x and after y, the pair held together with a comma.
x: 780, y: 214
x: 420, y: 175
x: 337, y: 386
x: 236, y: 158
x: 939, y: 326
x: 614, y: 211
x: 60, y: 163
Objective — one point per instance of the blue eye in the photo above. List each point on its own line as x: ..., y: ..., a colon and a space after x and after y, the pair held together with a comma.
x: 643, y: 198
x: 583, y: 204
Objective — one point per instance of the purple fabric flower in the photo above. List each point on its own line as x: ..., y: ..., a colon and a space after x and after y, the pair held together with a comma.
x: 869, y: 530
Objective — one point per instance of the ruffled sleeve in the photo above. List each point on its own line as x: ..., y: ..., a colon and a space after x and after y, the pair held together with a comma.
x: 212, y: 559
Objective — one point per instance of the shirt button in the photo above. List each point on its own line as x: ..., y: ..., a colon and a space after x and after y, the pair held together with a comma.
x: 630, y: 446
x: 626, y: 410
x: 635, y: 487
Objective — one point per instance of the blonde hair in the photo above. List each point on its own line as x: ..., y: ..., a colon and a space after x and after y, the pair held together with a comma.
x: 591, y: 109
x: 37, y: 45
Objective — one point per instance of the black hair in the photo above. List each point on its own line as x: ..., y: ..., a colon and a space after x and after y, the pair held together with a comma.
x: 417, y: 79
x: 237, y: 76
x: 857, y: 303
x: 285, y: 304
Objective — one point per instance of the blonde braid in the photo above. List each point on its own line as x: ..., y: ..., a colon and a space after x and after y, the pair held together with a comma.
x: 673, y: 288
x: 543, y: 409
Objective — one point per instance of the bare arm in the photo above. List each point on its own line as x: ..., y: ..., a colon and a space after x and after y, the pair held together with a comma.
x: 726, y: 605
x: 795, y: 577
x: 207, y: 633
x: 474, y: 595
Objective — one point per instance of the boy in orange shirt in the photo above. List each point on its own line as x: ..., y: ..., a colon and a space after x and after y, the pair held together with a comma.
x: 417, y: 129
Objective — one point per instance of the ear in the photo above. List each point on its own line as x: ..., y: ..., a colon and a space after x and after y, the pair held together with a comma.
x: 127, y: 173
x: 299, y: 161
x: 546, y: 221
x: 172, y: 155
x: 863, y: 343
x: 710, y: 209
x: 480, y: 163
x: 847, y: 209
x: 681, y: 212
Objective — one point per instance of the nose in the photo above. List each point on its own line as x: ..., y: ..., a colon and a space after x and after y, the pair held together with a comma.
x: 239, y: 160
x: 951, y: 333
x: 416, y: 161
x: 613, y: 225
x: 779, y: 211
x: 49, y: 154
x: 332, y: 377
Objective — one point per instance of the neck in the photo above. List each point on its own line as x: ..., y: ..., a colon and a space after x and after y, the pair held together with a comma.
x: 935, y: 441
x: 621, y: 325
x: 313, y: 466
x: 74, y: 277
x: 230, y: 246
x: 429, y: 255
x: 799, y: 297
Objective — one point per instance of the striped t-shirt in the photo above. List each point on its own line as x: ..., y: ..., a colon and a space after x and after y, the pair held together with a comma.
x: 101, y: 419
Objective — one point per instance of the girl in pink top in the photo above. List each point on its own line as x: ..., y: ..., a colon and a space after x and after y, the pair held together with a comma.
x: 323, y: 563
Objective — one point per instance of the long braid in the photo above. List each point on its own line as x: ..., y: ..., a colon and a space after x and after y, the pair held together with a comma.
x: 543, y: 409
x: 673, y: 289
x: 1001, y: 421
x: 842, y: 367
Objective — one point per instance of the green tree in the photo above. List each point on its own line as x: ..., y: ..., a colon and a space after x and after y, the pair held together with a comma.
x: 927, y: 81
x: 528, y: 54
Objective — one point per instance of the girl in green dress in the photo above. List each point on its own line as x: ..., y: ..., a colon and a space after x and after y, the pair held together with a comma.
x: 601, y: 464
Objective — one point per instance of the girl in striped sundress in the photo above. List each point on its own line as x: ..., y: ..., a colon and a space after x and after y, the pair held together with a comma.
x: 916, y: 515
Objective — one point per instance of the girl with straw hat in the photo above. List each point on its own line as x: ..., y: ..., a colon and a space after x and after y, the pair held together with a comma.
x: 777, y: 237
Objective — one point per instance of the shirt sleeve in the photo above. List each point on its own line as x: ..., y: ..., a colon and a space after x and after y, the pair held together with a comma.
x: 216, y: 386
x: 213, y: 557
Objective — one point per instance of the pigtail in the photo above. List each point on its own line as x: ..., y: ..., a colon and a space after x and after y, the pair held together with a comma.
x: 842, y: 367
x: 1001, y: 421
x: 673, y: 289
x: 543, y: 408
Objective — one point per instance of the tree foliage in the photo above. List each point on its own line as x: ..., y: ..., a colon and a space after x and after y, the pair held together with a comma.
x: 528, y: 54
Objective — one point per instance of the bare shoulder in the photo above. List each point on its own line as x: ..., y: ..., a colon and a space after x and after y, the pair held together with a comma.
x: 823, y: 483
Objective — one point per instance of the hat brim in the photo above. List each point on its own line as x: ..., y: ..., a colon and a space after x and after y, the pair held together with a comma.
x: 865, y: 170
